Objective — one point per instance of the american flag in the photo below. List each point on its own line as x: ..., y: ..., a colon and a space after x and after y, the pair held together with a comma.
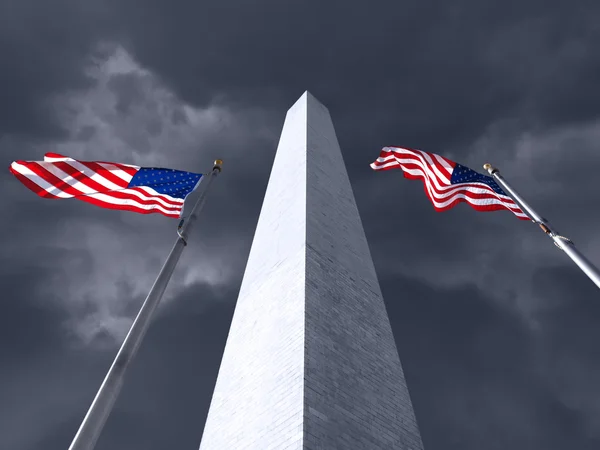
x: 108, y: 185
x: 447, y: 183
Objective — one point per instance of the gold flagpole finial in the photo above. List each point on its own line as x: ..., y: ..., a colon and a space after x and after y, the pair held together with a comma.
x: 490, y: 169
x: 217, y: 165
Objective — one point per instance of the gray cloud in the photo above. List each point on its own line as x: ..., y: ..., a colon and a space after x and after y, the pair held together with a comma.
x: 491, y: 370
x: 495, y: 326
x: 43, y: 48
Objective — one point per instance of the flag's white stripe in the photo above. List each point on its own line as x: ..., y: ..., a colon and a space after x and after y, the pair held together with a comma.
x: 146, y: 194
x: 426, y: 162
x: 35, y: 178
x: 474, y: 187
x: 433, y: 168
x: 166, y: 202
x: 109, y: 185
x: 519, y: 213
x: 81, y: 188
x: 133, y: 166
x: 411, y: 159
x: 475, y: 201
x: 479, y: 188
x: 426, y: 168
x: 383, y: 163
x: 489, y: 201
x: 53, y: 159
x: 447, y: 167
x: 394, y: 161
x: 107, y: 198
x: 154, y: 193
x: 126, y: 177
x: 423, y: 169
x: 115, y: 170
x: 441, y: 202
x: 426, y: 159
x: 150, y: 194
x: 68, y: 158
x: 119, y: 172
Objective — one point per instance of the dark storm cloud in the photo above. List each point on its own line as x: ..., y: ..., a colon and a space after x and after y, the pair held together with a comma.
x: 169, y: 385
x: 419, y: 66
x: 43, y: 48
x: 484, y: 378
x: 495, y: 328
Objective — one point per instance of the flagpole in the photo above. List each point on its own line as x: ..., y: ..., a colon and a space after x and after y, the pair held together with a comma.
x: 565, y: 244
x: 94, y: 420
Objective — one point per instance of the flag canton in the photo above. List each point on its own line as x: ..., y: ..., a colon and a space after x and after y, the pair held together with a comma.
x: 462, y: 174
x: 171, y: 182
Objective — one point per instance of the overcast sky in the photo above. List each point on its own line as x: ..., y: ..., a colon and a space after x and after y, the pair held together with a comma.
x: 497, y: 330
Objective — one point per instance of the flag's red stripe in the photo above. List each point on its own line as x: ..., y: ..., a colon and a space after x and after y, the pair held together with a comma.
x: 104, y: 172
x: 82, y: 177
x: 103, y: 204
x: 127, y: 169
x: 31, y: 185
x: 52, y: 179
x: 54, y: 155
x: 440, y: 194
x: 419, y: 155
x: 64, y: 166
x: 151, y: 201
x: 443, y: 170
x: 164, y: 197
x: 470, y: 195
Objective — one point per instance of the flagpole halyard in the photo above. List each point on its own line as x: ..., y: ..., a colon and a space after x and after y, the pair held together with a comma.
x: 564, y: 243
x: 101, y: 406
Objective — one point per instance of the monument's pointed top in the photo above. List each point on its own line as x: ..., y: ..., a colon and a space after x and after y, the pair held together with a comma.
x: 307, y: 99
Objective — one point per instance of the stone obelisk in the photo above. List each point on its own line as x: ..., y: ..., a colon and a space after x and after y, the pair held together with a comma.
x: 310, y: 360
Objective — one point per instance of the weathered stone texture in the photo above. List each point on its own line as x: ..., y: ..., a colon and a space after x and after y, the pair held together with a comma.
x: 310, y: 361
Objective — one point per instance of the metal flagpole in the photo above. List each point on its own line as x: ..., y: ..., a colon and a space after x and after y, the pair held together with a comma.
x: 94, y: 420
x: 565, y: 244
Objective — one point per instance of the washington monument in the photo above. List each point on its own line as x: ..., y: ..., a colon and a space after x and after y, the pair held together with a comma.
x: 310, y: 361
